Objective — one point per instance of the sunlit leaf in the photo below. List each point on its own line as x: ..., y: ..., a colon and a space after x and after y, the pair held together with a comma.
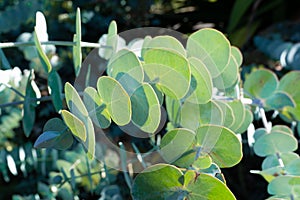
x: 220, y: 143
x: 194, y: 115
x: 116, y: 99
x: 44, y: 59
x: 201, y: 83
x: 165, y: 42
x: 163, y: 181
x: 74, y: 102
x: 238, y: 110
x: 77, y: 56
x: 145, y: 106
x: 229, y: 76
x: 176, y: 145
x: 211, y: 47
x: 96, y: 108
x: 75, y: 125
x: 169, y: 70
x: 125, y: 61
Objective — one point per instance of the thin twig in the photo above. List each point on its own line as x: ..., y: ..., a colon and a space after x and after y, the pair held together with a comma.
x: 57, y: 43
x: 15, y: 103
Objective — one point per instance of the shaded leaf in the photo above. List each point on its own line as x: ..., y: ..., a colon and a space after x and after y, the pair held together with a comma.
x: 275, y: 142
x: 279, y: 100
x: 55, y: 85
x: 261, y: 83
x: 29, y: 106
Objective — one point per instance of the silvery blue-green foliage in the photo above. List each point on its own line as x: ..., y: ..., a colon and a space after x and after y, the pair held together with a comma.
x: 12, y: 88
x: 277, y: 143
x: 277, y: 48
x: 14, y: 16
x: 64, y: 172
x: 197, y: 86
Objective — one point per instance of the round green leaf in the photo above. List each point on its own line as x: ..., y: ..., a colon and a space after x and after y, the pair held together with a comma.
x: 293, y: 167
x: 220, y: 143
x: 125, y: 61
x: 55, y: 135
x: 259, y: 132
x: 289, y: 84
x: 246, y: 122
x: 194, y: 115
x: 96, y: 108
x: 178, y: 143
x: 275, y: 142
x: 279, y: 100
x: 169, y: 70
x: 237, y: 55
x: 285, y: 185
x: 165, y: 42
x: 116, y: 99
x: 74, y: 102
x: 272, y: 160
x: 261, y: 83
x: 229, y: 118
x: 208, y: 187
x: 211, y: 47
x: 159, y: 182
x: 60, y: 140
x: 75, y: 124
x: 283, y: 128
x: 239, y: 111
x: 201, y: 83
x: 228, y: 78
x: 145, y: 106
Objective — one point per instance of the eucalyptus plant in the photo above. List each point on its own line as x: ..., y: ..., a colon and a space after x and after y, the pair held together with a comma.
x: 188, y: 98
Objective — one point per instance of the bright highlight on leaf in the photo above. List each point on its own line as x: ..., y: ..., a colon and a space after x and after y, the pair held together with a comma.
x: 165, y: 68
x: 116, y: 99
x: 212, y: 48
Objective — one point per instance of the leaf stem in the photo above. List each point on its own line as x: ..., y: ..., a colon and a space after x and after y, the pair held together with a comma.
x: 58, y: 43
x: 44, y: 98
x: 13, y: 89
